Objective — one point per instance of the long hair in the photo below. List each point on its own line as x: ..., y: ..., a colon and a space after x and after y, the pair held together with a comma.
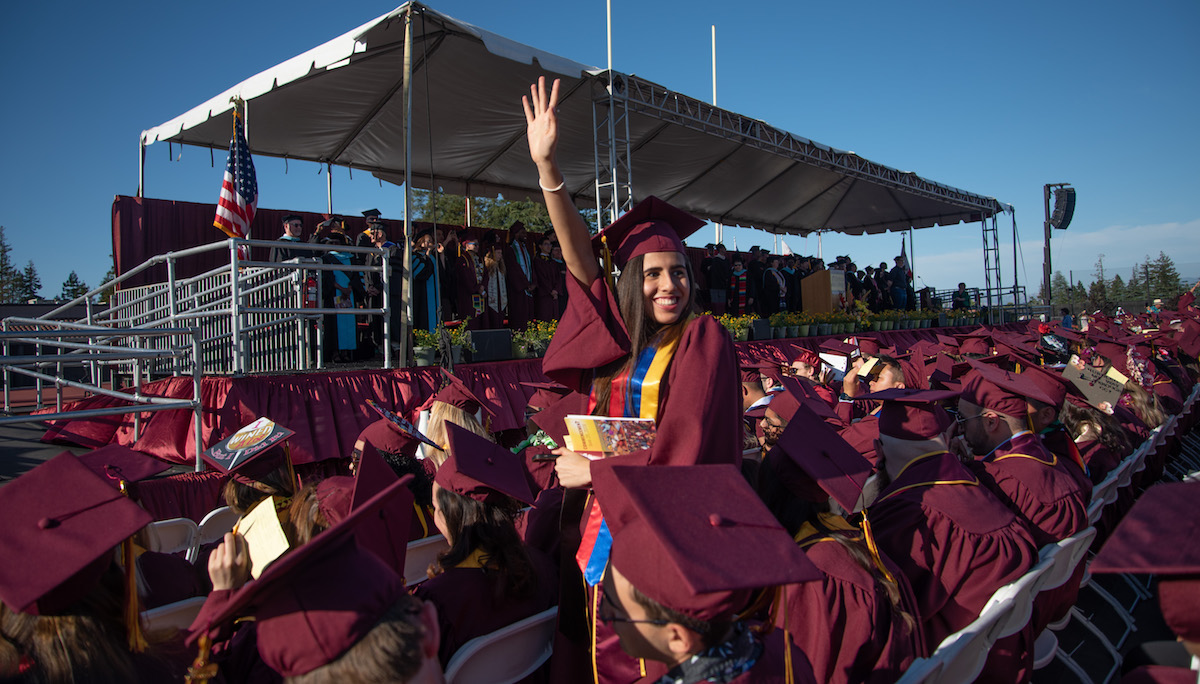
x: 1145, y: 405
x: 242, y: 497
x: 642, y: 329
x: 487, y: 528
x: 440, y: 414
x: 87, y: 643
x: 1100, y: 426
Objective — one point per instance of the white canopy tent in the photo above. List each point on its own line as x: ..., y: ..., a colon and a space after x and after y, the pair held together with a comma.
x: 347, y: 103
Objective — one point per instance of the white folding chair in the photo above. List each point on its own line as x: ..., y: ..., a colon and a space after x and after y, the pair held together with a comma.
x: 964, y: 653
x: 506, y: 655
x: 171, y: 536
x: 1065, y: 557
x: 922, y: 671
x: 213, y: 527
x: 420, y: 554
x: 1019, y: 593
x: 178, y: 615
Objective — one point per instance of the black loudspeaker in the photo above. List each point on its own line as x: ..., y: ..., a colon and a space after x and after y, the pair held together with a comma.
x: 491, y: 345
x: 760, y: 329
x: 1064, y: 208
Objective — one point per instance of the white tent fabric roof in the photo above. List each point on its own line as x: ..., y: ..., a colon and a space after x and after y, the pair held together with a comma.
x: 341, y: 103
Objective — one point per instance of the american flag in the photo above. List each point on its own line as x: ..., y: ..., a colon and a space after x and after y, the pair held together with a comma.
x: 239, y: 190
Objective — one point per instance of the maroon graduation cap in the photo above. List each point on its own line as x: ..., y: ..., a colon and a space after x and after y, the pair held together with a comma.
x: 1160, y: 535
x: 1000, y: 390
x: 456, y: 393
x: 61, y: 524
x: 552, y: 419
x: 316, y: 601
x: 806, y: 355
x: 651, y: 226
x: 812, y: 455
x: 116, y: 464
x: 545, y: 393
x: 912, y: 414
x: 695, y: 539
x: 386, y: 535
x: 480, y: 469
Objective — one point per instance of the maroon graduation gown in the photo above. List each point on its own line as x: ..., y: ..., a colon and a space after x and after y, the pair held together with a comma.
x: 862, y: 435
x: 468, y: 607
x: 957, y: 544
x: 1159, y: 674
x: 520, y: 302
x: 771, y: 665
x: 846, y: 624
x: 468, y: 287
x: 168, y: 577
x: 1100, y: 459
x: 545, y: 304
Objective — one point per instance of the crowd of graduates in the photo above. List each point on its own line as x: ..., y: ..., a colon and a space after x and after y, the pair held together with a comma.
x: 792, y: 521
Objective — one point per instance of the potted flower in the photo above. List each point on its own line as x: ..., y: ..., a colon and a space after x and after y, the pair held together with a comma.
x: 459, y: 340
x: 779, y: 325
x: 738, y: 326
x: 424, y: 347
x: 533, y: 340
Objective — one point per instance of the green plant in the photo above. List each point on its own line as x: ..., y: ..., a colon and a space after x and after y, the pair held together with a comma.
x: 459, y: 336
x: 424, y: 338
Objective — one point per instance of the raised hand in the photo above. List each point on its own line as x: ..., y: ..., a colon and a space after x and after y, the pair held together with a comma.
x: 541, y: 119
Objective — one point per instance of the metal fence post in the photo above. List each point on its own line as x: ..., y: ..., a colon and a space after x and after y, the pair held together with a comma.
x: 197, y: 409
x: 172, y: 310
x: 235, y: 327
x: 387, y: 307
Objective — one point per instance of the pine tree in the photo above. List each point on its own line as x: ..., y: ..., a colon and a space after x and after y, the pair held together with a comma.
x: 1164, y: 279
x: 107, y: 293
x: 73, y: 287
x: 1116, y: 289
x: 28, y: 283
x: 8, y: 273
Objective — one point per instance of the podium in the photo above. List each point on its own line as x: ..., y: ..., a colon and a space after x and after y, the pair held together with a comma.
x: 823, y: 291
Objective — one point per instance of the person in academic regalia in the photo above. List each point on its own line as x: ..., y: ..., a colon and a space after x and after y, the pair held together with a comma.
x: 327, y: 611
x: 519, y: 277
x: 455, y: 404
x: 68, y: 600
x: 426, y: 282
x: 560, y: 273
x: 293, y: 232
x: 859, y: 623
x: 487, y: 579
x: 1152, y: 541
x: 469, y: 276
x: 951, y: 537
x: 495, y: 283
x: 755, y: 267
x: 374, y: 285
x: 671, y: 601
x: 774, y: 288
x: 342, y: 290
x: 1013, y: 462
x: 740, y: 301
x: 545, y: 275
x: 1101, y: 442
x: 631, y: 348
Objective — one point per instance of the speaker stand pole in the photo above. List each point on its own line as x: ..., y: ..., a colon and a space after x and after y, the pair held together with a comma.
x: 1046, y: 251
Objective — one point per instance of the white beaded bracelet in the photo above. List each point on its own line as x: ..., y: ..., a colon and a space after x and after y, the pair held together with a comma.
x: 555, y: 188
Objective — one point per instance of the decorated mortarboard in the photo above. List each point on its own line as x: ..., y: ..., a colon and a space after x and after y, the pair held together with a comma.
x: 912, y: 414
x: 825, y: 459
x: 651, y: 226
x: 994, y: 388
x: 456, y: 393
x: 387, y: 534
x: 116, y: 464
x: 292, y: 217
x: 695, y: 539
x: 480, y: 469
x: 61, y: 523
x: 316, y: 601
x: 1160, y: 536
x: 806, y: 355
x: 247, y: 453
x: 403, y: 432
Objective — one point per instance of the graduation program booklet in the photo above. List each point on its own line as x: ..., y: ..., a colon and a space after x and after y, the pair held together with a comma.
x: 265, y: 540
x: 600, y: 436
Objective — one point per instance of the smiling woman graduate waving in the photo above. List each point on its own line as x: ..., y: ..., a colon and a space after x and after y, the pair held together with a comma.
x: 636, y: 347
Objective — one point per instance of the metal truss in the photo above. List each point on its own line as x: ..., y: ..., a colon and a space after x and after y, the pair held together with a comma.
x: 610, y: 138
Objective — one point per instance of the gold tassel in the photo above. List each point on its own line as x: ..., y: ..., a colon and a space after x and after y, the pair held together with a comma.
x: 608, y: 262
x: 788, y: 675
x: 642, y: 666
x: 875, y: 557
x: 133, y: 616
x: 201, y: 670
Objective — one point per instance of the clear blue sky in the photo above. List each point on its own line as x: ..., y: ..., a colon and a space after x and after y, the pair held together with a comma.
x: 995, y: 98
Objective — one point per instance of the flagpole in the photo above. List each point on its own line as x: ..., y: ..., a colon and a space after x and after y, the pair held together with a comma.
x: 406, y: 291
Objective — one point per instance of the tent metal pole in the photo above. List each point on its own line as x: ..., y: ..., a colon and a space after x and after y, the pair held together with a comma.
x: 329, y: 185
x: 406, y: 302
x: 141, y: 167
